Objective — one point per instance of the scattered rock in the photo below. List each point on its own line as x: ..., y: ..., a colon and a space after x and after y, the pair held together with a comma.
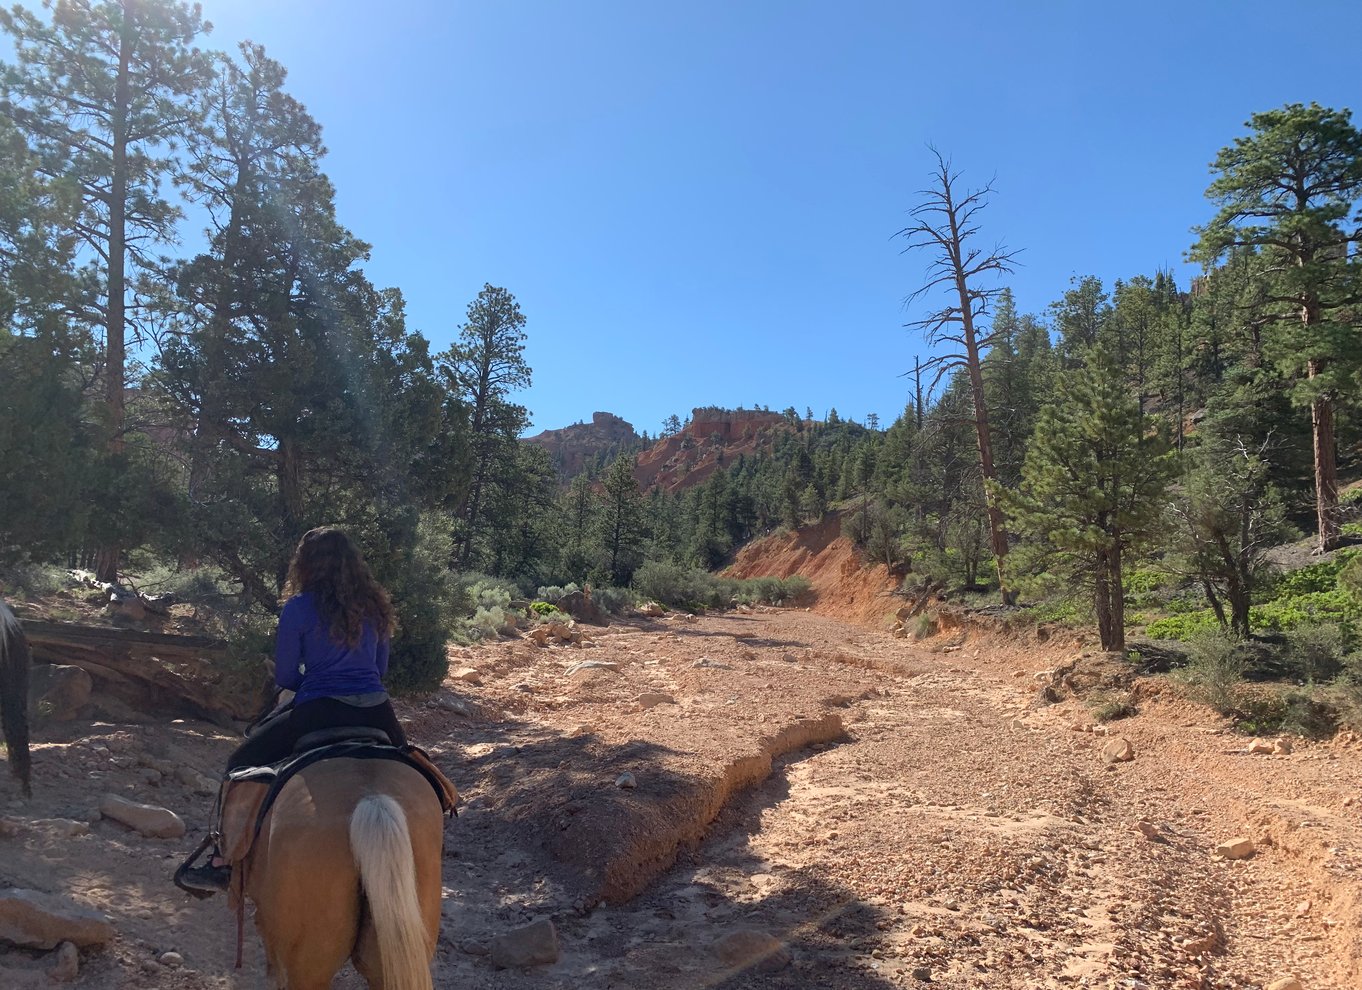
x: 170, y: 960
x: 35, y: 920
x: 652, y: 699
x: 532, y: 945
x: 652, y: 610
x: 1118, y: 751
x: 195, y: 781
x: 751, y: 948
x: 923, y: 973
x: 469, y: 675
x: 1282, y: 747
x: 9, y: 828
x: 1258, y: 746
x: 148, y: 819
x: 1285, y: 983
x: 626, y: 781
x: 473, y: 947
x: 65, y: 827
x: 581, y: 665
x: 1303, y: 908
x: 66, y: 964
x: 1150, y: 831
x: 1235, y: 849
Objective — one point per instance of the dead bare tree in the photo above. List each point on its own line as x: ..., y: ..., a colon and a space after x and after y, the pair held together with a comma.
x: 945, y: 223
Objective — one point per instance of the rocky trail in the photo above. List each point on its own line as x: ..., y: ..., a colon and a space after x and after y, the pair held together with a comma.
x: 772, y: 799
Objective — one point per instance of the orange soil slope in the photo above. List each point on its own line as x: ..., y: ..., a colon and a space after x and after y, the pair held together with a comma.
x: 843, y: 587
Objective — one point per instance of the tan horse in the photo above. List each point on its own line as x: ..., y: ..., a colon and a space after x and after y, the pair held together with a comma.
x: 347, y: 866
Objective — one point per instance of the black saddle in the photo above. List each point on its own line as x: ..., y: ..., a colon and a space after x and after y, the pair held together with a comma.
x: 341, y: 734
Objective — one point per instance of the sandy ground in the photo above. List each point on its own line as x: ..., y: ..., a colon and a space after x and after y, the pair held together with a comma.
x: 889, y: 813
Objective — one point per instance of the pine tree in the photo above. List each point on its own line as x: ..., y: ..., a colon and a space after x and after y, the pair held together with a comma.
x: 101, y: 94
x: 1091, y: 484
x: 622, y: 524
x: 484, y: 367
x: 1288, y: 191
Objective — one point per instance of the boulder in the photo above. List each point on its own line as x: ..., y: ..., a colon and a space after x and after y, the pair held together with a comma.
x: 652, y: 610
x: 1118, y: 751
x: 583, y: 609
x: 626, y: 781
x: 751, y: 948
x: 652, y: 699
x: 58, y: 691
x: 35, y: 920
x: 148, y: 819
x: 1285, y: 983
x: 532, y: 945
x: 1240, y: 848
x: 608, y: 666
x: 1282, y: 747
x: 469, y: 675
x: 1259, y: 746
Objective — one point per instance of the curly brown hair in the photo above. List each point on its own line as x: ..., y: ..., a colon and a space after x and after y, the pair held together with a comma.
x: 327, y: 564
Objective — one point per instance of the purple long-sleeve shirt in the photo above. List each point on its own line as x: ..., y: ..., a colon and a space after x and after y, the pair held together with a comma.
x: 308, y: 661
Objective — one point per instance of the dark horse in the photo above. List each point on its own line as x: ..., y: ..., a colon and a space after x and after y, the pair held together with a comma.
x: 15, y: 658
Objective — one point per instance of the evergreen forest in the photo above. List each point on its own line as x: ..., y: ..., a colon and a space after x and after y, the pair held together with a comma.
x: 195, y: 369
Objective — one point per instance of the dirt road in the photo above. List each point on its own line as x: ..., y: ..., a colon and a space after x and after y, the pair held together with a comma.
x: 887, y: 814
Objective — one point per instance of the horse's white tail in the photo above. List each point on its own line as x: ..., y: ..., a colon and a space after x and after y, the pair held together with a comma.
x: 382, y: 848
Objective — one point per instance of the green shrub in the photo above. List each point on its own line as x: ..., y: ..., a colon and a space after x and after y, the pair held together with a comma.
x: 616, y: 601
x: 1184, y: 626
x: 36, y: 580
x: 1346, y: 693
x: 1215, y: 671
x: 676, y: 586
x: 543, y: 608
x: 1065, y: 611
x: 1111, y: 708
x: 1315, y: 652
x: 552, y: 593
x: 1334, y: 606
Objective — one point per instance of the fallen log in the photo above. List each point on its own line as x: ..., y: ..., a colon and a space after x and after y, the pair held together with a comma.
x: 156, y: 675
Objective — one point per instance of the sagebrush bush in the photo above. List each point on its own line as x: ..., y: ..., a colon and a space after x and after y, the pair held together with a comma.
x: 616, y: 601
x: 1214, y: 674
x: 1315, y: 652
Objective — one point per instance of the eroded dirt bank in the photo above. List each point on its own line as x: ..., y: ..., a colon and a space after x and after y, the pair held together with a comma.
x: 924, y: 819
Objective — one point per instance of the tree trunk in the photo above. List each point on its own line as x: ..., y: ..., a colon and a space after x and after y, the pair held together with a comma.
x: 116, y: 314
x: 1102, y: 601
x: 1116, y: 588
x: 1326, y: 468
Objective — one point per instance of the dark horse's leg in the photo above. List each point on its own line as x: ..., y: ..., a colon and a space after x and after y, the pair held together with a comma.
x: 15, y: 659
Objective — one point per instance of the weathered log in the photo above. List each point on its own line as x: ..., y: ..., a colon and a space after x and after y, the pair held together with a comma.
x: 154, y: 674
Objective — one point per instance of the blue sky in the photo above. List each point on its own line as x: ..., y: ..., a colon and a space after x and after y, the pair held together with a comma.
x: 694, y: 202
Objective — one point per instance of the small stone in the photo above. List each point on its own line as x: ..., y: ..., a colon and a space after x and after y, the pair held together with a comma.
x: 150, y: 966
x: 1118, y: 751
x: 473, y: 947
x: 65, y: 827
x: 1150, y: 831
x: 1259, y: 746
x: 66, y: 966
x: 9, y: 828
x: 532, y: 945
x: 1282, y: 747
x: 626, y: 781
x: 171, y: 960
x: 1235, y: 849
x: 1303, y: 908
x: 607, y: 666
x: 951, y: 905
x: 148, y: 819
x: 1285, y: 983
x: 469, y: 675
x: 751, y: 948
x: 652, y: 699
x: 923, y: 973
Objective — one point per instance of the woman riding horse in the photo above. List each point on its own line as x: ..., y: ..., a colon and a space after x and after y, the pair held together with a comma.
x: 15, y: 658
x: 346, y: 863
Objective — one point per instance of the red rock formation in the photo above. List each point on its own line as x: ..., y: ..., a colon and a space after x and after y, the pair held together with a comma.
x: 573, y: 447
x: 712, y: 438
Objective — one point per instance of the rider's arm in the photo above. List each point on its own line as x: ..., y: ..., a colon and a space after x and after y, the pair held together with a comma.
x: 288, y: 648
x: 381, y: 656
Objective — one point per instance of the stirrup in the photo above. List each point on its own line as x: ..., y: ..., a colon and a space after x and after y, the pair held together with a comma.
x: 206, y: 880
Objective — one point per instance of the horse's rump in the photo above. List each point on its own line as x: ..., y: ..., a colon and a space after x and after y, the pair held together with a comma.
x: 304, y: 875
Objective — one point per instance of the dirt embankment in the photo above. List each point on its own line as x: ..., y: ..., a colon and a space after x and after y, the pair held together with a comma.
x: 843, y: 586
